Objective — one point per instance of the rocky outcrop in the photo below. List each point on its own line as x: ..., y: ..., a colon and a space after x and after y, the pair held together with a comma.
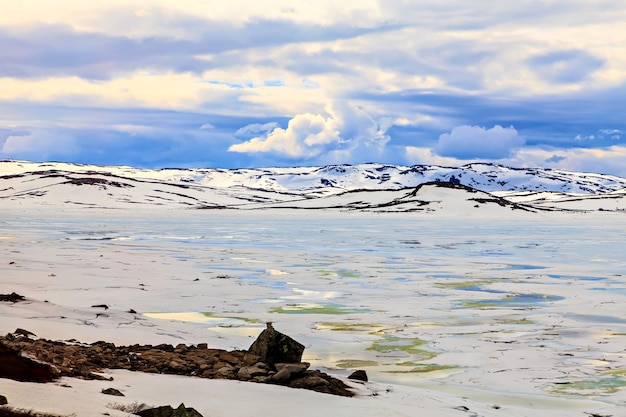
x: 358, y: 375
x: 87, y: 360
x: 13, y: 365
x: 12, y: 298
x: 168, y: 411
x: 112, y: 391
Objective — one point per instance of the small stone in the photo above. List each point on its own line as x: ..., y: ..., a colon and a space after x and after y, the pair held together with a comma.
x: 23, y: 332
x: 112, y: 391
x: 181, y: 348
x: 293, y: 368
x: 281, y: 376
x: 225, y: 371
x: 359, y: 375
x: 230, y: 357
x: 244, y: 373
x: 203, y: 346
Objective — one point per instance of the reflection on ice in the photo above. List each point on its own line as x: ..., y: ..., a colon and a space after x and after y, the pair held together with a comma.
x: 195, y: 317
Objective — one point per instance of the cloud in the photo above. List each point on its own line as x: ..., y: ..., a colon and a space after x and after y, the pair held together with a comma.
x: 568, y: 66
x: 137, y: 137
x: 555, y: 158
x: 40, y: 145
x: 41, y: 50
x: 255, y: 128
x: 470, y: 142
x: 86, y: 83
x: 306, y: 136
x: 345, y: 133
x: 607, y: 160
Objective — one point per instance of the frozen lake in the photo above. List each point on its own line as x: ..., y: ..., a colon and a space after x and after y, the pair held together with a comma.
x: 529, y: 305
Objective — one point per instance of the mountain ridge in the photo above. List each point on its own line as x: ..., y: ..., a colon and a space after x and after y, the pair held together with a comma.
x: 298, y: 187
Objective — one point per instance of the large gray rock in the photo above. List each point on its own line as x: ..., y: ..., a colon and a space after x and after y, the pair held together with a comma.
x: 274, y: 347
x: 359, y: 375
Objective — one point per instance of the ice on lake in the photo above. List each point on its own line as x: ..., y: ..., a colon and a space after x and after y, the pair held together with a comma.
x: 412, y: 299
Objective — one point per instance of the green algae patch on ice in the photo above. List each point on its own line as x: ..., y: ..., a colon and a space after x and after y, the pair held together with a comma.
x: 517, y: 301
x: 355, y: 363
x: 510, y: 320
x: 341, y: 273
x: 420, y: 368
x: 465, y: 285
x: 411, y: 346
x: 616, y: 372
x: 348, y: 327
x: 332, y: 309
x: 591, y: 387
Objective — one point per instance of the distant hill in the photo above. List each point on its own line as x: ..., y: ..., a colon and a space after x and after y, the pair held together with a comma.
x: 371, y: 187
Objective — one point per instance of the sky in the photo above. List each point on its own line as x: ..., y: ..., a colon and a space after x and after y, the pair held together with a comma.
x: 200, y: 83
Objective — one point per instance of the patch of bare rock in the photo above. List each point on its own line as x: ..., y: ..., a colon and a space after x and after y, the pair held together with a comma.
x: 273, y: 358
x: 12, y: 298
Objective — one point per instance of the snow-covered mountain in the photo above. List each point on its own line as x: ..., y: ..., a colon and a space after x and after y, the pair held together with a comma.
x: 364, y: 186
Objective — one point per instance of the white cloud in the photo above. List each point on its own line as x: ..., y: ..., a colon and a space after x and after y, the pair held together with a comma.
x: 609, y: 160
x: 559, y: 65
x: 414, y: 155
x: 345, y: 133
x: 469, y: 142
x: 38, y: 146
x: 256, y: 128
x: 304, y: 137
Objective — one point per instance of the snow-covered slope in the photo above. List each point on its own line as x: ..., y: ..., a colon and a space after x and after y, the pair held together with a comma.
x: 364, y: 187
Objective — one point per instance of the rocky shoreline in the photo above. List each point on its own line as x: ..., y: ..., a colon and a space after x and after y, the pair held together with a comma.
x: 273, y: 358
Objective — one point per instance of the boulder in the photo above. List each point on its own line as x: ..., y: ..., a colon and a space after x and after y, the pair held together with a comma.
x: 3, y: 400
x: 23, y: 333
x: 293, y: 368
x: 168, y: 411
x: 249, y: 372
x: 112, y: 391
x: 281, y: 376
x: 274, y: 347
x: 359, y: 375
x: 20, y: 368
